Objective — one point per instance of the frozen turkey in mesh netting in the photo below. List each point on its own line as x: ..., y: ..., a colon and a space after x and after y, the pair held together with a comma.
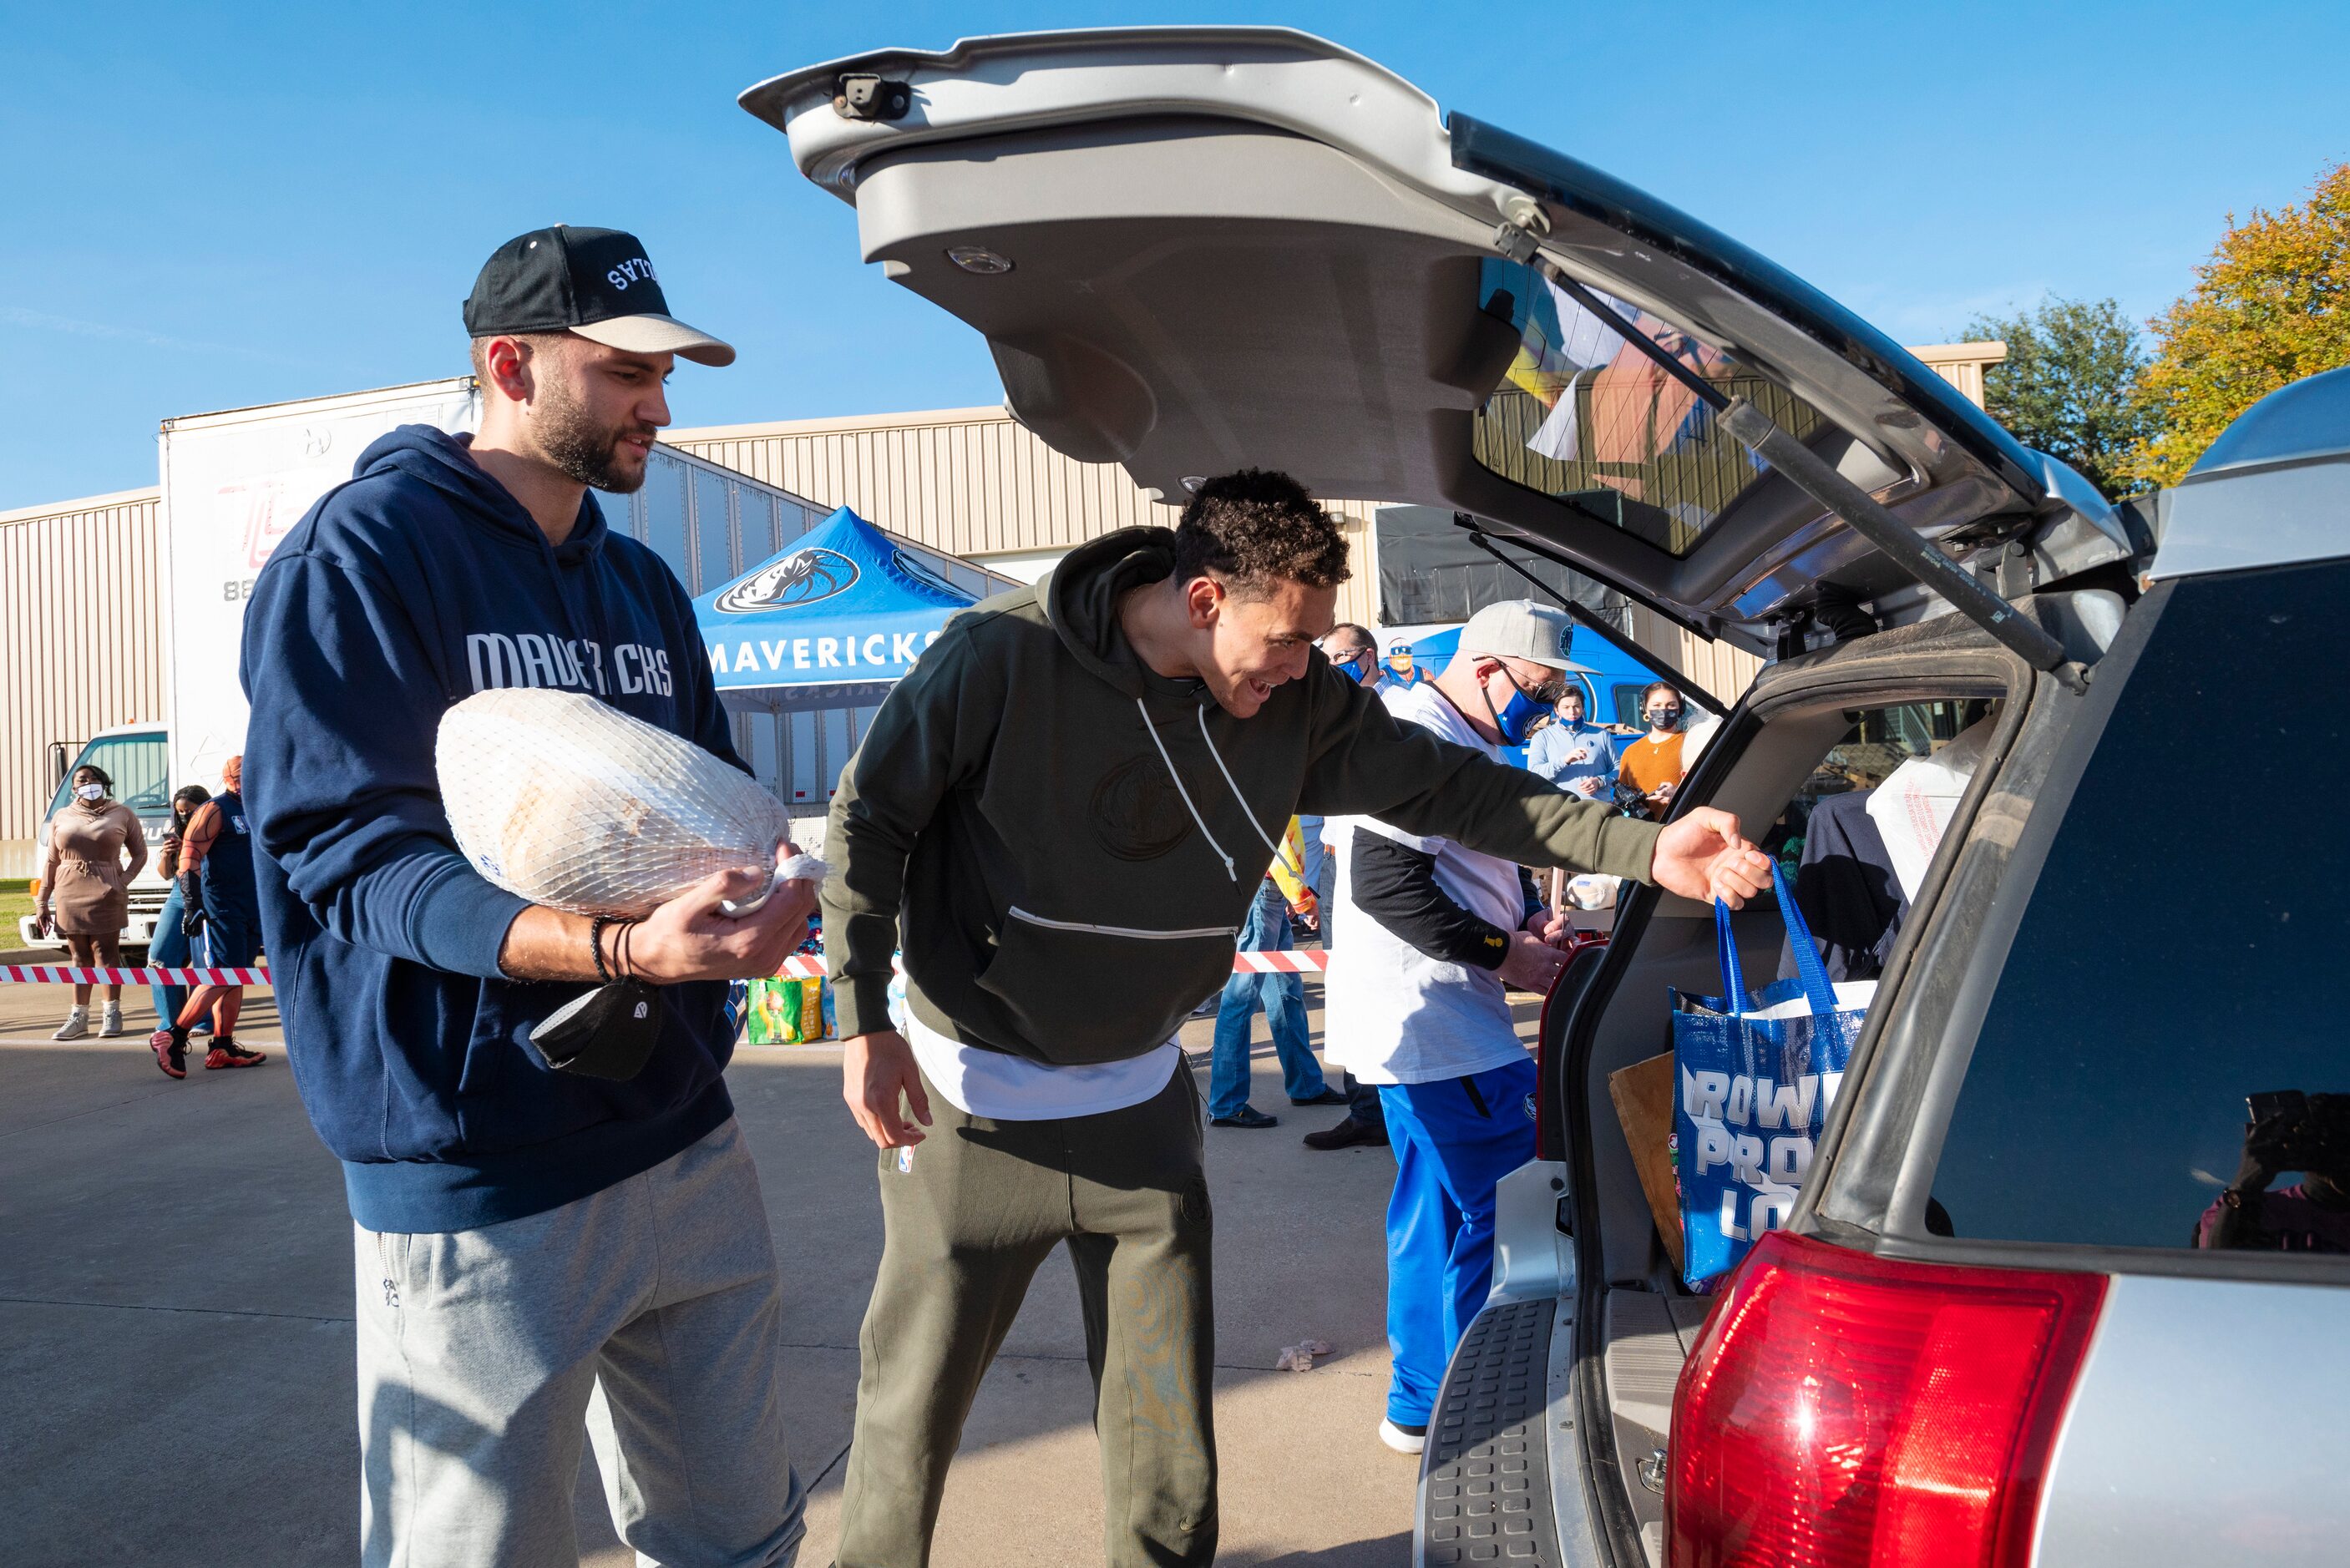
x: 573, y: 803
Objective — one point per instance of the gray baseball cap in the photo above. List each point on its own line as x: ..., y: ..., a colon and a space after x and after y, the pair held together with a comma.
x: 1521, y: 628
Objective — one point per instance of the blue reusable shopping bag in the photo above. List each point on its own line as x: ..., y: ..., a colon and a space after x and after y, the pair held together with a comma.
x: 1753, y: 1074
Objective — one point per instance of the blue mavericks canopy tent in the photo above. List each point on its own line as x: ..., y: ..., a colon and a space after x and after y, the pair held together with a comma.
x: 831, y: 622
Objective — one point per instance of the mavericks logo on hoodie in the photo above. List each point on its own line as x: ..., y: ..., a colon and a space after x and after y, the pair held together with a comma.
x: 1137, y: 815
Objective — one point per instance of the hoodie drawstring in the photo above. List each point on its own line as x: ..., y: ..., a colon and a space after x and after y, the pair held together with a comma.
x: 1151, y: 730
x: 1200, y: 821
x: 1246, y: 810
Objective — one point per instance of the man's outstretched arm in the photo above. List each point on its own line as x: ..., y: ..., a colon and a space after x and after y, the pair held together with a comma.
x: 1366, y: 763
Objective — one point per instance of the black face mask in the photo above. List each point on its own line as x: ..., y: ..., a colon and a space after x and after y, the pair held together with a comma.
x: 1665, y: 719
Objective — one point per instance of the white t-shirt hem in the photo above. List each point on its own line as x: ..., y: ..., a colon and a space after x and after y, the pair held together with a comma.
x: 1501, y: 1056
x: 1005, y: 1088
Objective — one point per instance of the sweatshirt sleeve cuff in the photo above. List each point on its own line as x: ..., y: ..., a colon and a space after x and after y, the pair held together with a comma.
x: 861, y: 1005
x: 461, y: 924
x: 1629, y: 849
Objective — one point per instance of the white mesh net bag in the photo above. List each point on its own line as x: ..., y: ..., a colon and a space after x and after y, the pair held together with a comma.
x: 573, y: 803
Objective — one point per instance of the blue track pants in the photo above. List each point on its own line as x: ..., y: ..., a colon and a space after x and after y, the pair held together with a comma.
x: 1454, y: 1139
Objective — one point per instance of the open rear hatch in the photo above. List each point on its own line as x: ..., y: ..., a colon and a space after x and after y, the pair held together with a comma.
x: 1196, y: 249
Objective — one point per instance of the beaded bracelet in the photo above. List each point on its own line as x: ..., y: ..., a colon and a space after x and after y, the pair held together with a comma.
x: 595, y: 946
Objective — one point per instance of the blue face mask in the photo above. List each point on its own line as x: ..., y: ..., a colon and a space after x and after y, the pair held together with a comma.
x: 1517, y: 719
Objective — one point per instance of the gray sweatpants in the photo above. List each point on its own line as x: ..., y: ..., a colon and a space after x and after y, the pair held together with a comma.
x: 646, y: 1316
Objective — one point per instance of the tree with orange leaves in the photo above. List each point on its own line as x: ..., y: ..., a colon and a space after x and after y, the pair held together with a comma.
x: 2268, y: 308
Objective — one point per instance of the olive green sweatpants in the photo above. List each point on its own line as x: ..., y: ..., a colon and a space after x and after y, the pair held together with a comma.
x: 967, y: 1219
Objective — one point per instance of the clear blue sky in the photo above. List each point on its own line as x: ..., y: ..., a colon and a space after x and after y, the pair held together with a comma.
x: 208, y: 206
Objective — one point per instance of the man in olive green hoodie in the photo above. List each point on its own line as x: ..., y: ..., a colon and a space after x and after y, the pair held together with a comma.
x: 1060, y: 817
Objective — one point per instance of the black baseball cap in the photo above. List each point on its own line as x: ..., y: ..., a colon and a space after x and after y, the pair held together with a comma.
x: 594, y: 282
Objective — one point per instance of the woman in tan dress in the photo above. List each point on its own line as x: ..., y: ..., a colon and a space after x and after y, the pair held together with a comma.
x: 95, y: 846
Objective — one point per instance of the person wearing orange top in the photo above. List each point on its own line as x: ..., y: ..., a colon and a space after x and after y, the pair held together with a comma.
x: 1651, y: 769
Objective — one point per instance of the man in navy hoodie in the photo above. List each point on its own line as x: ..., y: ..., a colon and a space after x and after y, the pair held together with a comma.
x: 540, y: 1255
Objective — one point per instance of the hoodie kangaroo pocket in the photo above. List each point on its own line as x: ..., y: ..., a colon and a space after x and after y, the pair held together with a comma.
x: 1085, y: 993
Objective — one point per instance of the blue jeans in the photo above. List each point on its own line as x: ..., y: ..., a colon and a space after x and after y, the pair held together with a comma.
x: 1454, y: 1139
x: 1283, y: 997
x: 169, y: 951
x: 1317, y: 868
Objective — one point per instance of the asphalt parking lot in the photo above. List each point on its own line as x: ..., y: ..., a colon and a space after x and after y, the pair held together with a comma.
x: 176, y: 1334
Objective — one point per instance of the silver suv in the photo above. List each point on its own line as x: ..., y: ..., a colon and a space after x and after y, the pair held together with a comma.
x: 2057, y: 1285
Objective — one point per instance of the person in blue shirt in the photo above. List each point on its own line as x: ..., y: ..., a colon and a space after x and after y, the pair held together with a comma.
x: 542, y: 1256
x: 1571, y: 753
x: 1400, y: 668
x: 222, y: 920
x: 170, y: 948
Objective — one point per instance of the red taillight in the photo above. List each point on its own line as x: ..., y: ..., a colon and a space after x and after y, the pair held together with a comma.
x: 1842, y: 1409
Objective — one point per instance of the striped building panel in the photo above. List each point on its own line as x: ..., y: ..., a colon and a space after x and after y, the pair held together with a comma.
x: 82, y: 642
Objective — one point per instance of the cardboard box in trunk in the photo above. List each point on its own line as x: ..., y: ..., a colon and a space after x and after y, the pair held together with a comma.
x: 1643, y: 1094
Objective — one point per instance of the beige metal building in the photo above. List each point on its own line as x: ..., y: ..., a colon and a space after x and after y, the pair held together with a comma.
x: 82, y: 595
x: 81, y: 642
x: 973, y: 482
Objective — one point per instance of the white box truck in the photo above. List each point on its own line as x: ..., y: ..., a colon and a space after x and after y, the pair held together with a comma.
x: 234, y: 484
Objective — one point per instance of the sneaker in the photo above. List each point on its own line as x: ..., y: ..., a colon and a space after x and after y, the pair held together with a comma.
x: 227, y: 1053
x: 76, y: 1025
x: 1403, y: 1439
x: 1347, y: 1134
x: 111, y: 1021
x: 170, y: 1053
x: 1246, y: 1117
x: 1328, y: 1097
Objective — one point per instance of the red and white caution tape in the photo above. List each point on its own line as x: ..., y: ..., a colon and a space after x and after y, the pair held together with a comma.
x: 803, y: 966
x: 1288, y: 961
x: 58, y: 974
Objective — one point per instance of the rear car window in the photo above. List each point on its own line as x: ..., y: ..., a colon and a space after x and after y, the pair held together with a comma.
x: 1880, y: 740
x: 2181, y: 954
x: 1583, y: 416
